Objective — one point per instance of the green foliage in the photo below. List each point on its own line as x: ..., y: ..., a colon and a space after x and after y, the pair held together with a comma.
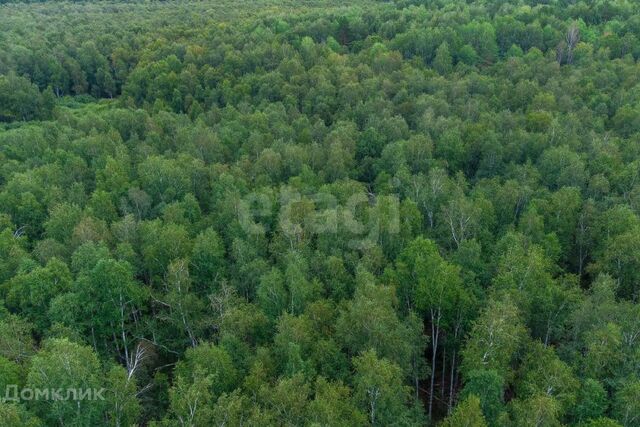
x: 333, y: 405
x: 495, y: 339
x: 12, y: 415
x: 319, y: 213
x: 592, y: 401
x: 124, y: 407
x: 544, y: 373
x: 212, y: 362
x: 625, y: 406
x: 21, y: 100
x: 466, y: 414
x: 378, y: 390
x: 63, y: 365
x: 488, y: 387
x: 443, y: 61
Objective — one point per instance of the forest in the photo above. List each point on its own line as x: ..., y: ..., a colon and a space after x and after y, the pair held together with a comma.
x: 320, y: 213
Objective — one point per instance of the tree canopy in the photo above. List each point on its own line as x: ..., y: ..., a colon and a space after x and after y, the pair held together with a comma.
x: 308, y: 213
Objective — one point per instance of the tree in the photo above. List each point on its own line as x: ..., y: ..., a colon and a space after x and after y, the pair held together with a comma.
x: 468, y: 55
x: 271, y: 293
x: 12, y: 415
x: 540, y: 410
x: 163, y: 243
x: 460, y: 219
x: 378, y: 390
x: 482, y: 37
x: 488, y: 387
x: 16, y: 338
x: 333, y: 405
x: 543, y: 373
x: 625, y: 404
x: 369, y: 322
x: 620, y: 259
x: 163, y: 179
x: 562, y: 167
x: 102, y: 304
x: 466, y: 414
x: 443, y: 63
x: 10, y: 374
x: 207, y: 260
x: 592, y: 401
x: 286, y: 402
x: 495, y: 339
x: 30, y: 291
x: 72, y: 368
x: 432, y: 285
x: 236, y: 409
x: 211, y: 362
x: 190, y: 402
x: 21, y: 100
x: 124, y: 407
x: 525, y: 272
x: 181, y: 308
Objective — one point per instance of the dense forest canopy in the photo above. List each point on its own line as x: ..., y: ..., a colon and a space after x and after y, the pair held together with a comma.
x: 320, y: 213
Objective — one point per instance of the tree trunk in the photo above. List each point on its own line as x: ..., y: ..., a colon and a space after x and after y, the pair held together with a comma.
x: 444, y: 375
x: 452, y: 379
x: 435, y: 331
